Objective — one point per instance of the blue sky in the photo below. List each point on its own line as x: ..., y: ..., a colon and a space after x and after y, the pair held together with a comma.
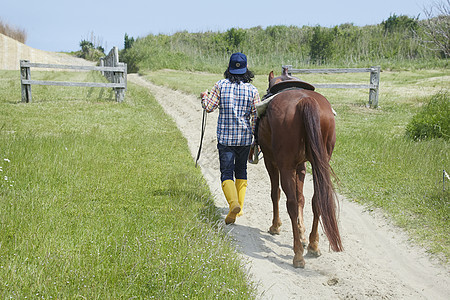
x: 56, y: 25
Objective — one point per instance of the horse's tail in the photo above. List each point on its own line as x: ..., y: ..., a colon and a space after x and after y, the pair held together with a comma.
x: 325, y: 200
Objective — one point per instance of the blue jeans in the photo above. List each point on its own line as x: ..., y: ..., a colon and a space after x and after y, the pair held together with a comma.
x: 233, y: 161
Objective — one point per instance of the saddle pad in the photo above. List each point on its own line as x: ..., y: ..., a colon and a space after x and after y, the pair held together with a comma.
x: 262, y: 106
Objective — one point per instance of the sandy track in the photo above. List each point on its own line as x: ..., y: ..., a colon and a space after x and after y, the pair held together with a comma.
x: 378, y: 261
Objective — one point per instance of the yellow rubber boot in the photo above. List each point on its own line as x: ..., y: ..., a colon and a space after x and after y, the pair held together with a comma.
x: 241, y: 187
x: 229, y: 189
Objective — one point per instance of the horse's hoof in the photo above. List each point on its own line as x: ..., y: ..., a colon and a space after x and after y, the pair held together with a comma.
x: 274, y: 230
x: 299, y: 263
x: 313, y: 253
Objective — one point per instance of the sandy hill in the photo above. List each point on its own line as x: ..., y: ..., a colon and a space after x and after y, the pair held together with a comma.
x: 12, y: 51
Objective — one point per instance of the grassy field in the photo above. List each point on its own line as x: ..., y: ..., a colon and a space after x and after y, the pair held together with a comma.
x: 95, y: 206
x: 378, y: 166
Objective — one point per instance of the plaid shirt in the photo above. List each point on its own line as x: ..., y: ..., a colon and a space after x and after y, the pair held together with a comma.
x: 237, y: 112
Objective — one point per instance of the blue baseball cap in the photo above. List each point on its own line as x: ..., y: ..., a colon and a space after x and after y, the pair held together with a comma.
x: 238, y: 63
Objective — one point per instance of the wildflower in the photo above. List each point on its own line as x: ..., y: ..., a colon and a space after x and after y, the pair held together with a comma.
x: 7, y: 160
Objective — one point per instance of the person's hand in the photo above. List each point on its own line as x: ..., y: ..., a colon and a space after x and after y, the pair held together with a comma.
x: 204, y: 94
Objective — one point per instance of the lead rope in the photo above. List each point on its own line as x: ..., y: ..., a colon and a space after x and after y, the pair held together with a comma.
x: 201, y: 136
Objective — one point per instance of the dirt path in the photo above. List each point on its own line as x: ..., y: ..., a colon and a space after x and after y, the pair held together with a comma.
x: 378, y: 262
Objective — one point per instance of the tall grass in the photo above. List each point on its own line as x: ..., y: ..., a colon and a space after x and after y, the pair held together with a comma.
x: 343, y: 45
x: 377, y: 164
x: 94, y: 205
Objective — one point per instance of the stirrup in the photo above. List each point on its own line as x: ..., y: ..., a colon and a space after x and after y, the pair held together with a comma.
x: 253, y: 156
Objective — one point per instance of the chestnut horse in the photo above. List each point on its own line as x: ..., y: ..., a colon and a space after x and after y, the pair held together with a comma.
x: 298, y: 126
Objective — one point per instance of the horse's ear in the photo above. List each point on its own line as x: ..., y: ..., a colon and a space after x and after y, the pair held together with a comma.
x: 271, y: 76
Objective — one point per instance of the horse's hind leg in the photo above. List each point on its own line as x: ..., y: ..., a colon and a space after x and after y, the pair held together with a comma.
x: 275, y: 195
x: 313, y: 247
x: 301, y: 172
x: 289, y: 185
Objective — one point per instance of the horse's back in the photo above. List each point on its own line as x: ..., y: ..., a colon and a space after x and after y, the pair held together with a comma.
x: 285, y: 117
x: 287, y: 100
x: 286, y: 107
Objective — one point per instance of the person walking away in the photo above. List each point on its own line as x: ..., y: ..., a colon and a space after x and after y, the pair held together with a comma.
x: 236, y: 98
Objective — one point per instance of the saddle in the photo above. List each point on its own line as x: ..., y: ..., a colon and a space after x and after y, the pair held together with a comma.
x: 290, y: 84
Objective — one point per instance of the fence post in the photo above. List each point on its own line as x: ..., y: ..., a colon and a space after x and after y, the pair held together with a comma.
x: 289, y: 67
x: 108, y: 64
x: 373, y: 92
x: 120, y: 77
x: 102, y: 64
x: 26, y: 88
x: 112, y: 60
x: 117, y: 76
x: 116, y: 56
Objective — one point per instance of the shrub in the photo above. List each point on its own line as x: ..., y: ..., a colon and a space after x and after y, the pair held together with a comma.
x: 129, y: 57
x: 433, y: 121
x: 234, y: 37
x: 321, y: 45
x: 400, y: 23
x: 91, y: 49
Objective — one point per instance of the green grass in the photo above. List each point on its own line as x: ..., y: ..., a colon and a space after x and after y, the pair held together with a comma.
x: 101, y: 200
x: 378, y: 166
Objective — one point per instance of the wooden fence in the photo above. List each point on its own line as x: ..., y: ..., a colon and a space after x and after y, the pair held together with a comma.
x: 111, y: 60
x: 373, y: 86
x: 115, y: 72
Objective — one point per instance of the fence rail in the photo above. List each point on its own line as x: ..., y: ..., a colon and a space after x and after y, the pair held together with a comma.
x: 116, y: 74
x: 77, y: 84
x: 373, y: 86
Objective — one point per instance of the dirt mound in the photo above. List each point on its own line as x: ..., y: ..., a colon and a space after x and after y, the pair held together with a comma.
x: 12, y: 51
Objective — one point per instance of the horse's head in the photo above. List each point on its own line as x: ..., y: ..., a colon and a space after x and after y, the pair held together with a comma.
x: 289, y: 81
